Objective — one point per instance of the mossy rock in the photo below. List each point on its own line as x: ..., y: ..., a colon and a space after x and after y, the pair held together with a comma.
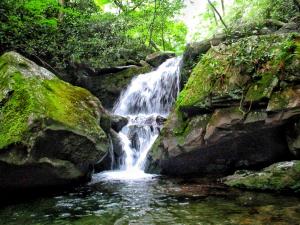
x: 283, y: 176
x: 288, y: 98
x: 255, y: 63
x: 44, y: 117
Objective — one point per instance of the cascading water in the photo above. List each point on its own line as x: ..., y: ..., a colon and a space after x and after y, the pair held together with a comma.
x: 146, y: 101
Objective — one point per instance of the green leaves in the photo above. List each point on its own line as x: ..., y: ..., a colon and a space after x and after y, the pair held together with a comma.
x: 102, y: 3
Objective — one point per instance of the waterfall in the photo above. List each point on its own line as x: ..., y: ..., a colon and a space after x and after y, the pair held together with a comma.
x: 146, y: 102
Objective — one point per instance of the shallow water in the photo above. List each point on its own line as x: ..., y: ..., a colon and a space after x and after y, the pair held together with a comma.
x: 155, y: 200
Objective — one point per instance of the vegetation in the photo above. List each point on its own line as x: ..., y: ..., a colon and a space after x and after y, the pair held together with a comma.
x: 62, y: 34
x: 243, y: 15
x: 249, y: 67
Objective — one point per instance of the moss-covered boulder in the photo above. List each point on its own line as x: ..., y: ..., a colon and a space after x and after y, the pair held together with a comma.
x: 49, y: 130
x: 235, y: 110
x: 282, y: 176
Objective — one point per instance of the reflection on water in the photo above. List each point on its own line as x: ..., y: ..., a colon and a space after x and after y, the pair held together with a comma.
x: 155, y: 201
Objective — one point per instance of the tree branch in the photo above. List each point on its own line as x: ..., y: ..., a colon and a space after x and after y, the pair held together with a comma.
x: 219, y: 15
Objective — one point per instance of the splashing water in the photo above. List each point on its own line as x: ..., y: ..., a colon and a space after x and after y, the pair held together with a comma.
x: 146, y: 101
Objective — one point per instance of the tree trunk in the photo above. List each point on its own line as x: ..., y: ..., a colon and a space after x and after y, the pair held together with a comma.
x: 61, y: 12
x: 152, y: 23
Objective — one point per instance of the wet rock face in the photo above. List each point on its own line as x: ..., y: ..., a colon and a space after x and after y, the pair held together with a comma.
x: 233, y: 115
x: 49, y: 130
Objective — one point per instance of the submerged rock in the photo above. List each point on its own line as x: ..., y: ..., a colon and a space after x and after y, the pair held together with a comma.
x: 283, y: 176
x: 235, y: 110
x: 49, y: 130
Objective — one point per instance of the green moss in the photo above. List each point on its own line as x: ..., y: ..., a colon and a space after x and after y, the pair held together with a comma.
x: 282, y: 99
x: 262, y: 88
x: 47, y: 101
x: 201, y: 82
x: 277, y: 177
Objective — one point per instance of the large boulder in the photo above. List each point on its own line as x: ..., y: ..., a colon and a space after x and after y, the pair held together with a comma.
x: 282, y: 176
x: 235, y: 110
x: 49, y: 130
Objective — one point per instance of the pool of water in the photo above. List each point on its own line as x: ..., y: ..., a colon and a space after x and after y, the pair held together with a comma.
x: 155, y: 200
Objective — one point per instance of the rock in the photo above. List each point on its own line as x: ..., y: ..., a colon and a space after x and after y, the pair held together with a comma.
x: 192, y: 53
x: 287, y: 99
x: 217, y: 144
x: 282, y: 176
x: 160, y: 120
x: 284, y: 105
x: 289, y: 27
x: 234, y: 112
x: 108, y: 86
x: 293, y: 73
x: 118, y: 122
x: 157, y: 58
x: 219, y: 121
x: 293, y: 137
x: 134, y: 139
x: 49, y: 129
x: 117, y: 144
x: 216, y: 78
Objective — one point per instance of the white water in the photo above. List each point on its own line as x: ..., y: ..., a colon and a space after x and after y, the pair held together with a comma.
x: 148, y: 97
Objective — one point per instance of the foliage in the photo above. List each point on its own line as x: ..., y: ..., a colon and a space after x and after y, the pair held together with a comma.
x: 152, y: 21
x: 79, y: 32
x: 243, y: 14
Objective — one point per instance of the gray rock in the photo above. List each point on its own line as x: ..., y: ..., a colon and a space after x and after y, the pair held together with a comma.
x: 118, y: 122
x: 157, y: 58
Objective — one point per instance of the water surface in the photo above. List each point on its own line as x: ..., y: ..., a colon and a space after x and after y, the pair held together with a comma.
x: 155, y: 200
